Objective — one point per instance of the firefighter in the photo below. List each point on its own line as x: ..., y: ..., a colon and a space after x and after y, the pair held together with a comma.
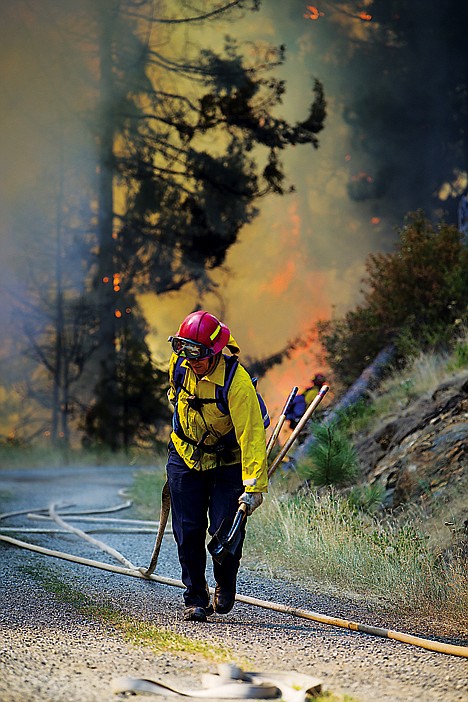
x: 216, y: 455
x: 303, y: 400
x: 311, y: 392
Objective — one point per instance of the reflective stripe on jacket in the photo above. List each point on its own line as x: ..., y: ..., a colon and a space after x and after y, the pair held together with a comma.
x: 210, y: 424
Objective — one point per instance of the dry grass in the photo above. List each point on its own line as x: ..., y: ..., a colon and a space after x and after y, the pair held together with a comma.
x: 321, y: 538
x: 422, y: 374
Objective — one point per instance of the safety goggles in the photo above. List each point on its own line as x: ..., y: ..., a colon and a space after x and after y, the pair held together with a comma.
x: 186, y: 348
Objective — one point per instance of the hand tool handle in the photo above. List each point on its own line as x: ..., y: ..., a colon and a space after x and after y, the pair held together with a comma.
x: 303, y: 420
x: 238, y: 519
x: 281, y: 420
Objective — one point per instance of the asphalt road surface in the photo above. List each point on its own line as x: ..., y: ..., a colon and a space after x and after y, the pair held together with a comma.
x: 52, y: 652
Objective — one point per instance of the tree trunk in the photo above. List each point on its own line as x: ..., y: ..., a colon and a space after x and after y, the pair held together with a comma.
x: 106, y: 355
x: 59, y: 319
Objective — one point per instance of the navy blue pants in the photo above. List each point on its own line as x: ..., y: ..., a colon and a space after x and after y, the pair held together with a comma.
x: 196, y: 497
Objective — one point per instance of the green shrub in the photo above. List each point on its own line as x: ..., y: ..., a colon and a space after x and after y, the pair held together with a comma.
x: 414, y: 298
x: 367, y: 498
x: 331, y: 459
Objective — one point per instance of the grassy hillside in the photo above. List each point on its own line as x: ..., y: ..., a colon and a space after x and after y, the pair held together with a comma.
x: 410, y: 558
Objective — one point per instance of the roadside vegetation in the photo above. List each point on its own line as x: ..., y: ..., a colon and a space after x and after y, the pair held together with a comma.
x: 135, y: 630
x: 335, y: 532
x: 319, y: 524
x: 323, y: 540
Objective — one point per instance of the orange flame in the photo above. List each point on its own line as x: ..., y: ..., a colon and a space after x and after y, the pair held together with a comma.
x: 117, y: 279
x: 313, y: 13
x: 281, y: 281
x: 365, y: 16
x: 118, y: 314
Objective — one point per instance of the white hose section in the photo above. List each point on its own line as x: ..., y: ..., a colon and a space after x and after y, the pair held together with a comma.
x: 83, y: 535
x: 132, y: 572
x: 105, y: 520
x: 96, y: 530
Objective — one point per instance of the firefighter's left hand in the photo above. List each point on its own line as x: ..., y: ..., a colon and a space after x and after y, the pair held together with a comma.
x: 252, y: 500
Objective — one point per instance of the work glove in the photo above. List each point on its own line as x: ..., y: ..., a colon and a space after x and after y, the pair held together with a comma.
x: 252, y: 500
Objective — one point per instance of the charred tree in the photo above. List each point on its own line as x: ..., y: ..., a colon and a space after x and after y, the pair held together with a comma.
x: 107, y: 128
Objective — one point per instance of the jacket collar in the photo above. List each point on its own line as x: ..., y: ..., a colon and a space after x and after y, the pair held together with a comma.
x: 217, y: 376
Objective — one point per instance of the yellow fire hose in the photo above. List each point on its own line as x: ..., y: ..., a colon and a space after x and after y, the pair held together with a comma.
x: 436, y: 646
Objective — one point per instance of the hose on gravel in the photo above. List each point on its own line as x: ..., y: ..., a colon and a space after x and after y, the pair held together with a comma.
x: 436, y: 646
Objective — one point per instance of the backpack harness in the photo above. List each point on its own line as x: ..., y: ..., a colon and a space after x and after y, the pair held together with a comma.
x: 225, y: 445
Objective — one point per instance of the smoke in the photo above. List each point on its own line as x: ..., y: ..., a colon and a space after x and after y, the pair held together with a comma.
x: 46, y: 150
x: 393, y: 142
x: 388, y: 146
x: 47, y: 163
x: 302, y: 259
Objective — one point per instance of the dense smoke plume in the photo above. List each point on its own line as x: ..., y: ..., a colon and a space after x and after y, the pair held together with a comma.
x: 391, y: 144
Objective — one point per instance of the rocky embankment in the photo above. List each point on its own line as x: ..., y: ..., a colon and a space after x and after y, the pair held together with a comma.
x: 420, y: 455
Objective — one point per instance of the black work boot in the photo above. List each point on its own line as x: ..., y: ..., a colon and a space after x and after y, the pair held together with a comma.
x: 195, y: 614
x: 223, y: 600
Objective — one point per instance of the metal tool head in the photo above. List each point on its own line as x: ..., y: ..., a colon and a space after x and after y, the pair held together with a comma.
x: 226, y: 541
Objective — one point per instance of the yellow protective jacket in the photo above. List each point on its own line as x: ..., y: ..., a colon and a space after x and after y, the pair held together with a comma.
x: 210, y: 424
x: 310, y: 394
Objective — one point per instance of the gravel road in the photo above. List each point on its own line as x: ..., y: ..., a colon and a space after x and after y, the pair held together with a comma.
x: 50, y: 652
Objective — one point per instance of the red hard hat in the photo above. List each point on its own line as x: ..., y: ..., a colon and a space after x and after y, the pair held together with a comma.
x: 205, y: 329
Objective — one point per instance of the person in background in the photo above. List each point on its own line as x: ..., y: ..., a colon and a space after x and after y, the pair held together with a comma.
x: 303, y: 400
x: 216, y: 455
x: 313, y: 390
